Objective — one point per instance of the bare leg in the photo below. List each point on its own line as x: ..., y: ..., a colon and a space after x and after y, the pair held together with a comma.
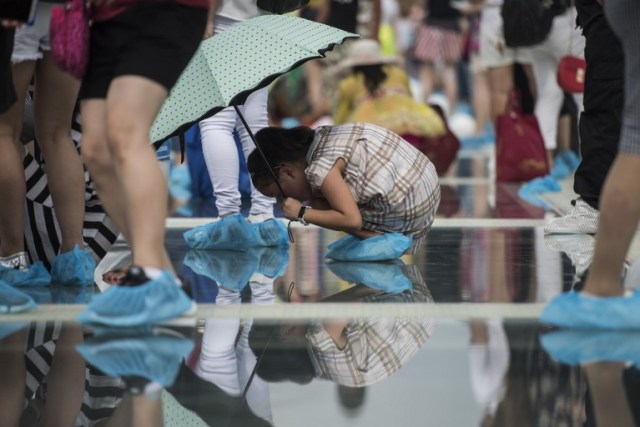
x: 12, y: 182
x: 500, y: 85
x: 55, y: 97
x: 618, y: 222
x: 132, y: 104
x: 450, y: 85
x: 481, y: 100
x: 12, y: 377
x: 66, y: 380
x: 427, y: 78
x: 146, y: 411
x: 99, y: 161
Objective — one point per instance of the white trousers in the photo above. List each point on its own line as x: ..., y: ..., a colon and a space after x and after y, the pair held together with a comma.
x: 564, y: 39
x: 221, y: 155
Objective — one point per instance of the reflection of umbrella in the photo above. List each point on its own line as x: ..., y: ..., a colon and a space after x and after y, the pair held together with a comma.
x: 229, y: 66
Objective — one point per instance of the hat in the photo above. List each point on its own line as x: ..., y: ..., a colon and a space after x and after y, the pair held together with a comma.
x: 366, y: 52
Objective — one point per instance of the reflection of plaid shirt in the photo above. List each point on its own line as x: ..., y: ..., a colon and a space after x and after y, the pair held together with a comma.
x: 395, y: 185
x: 375, y: 349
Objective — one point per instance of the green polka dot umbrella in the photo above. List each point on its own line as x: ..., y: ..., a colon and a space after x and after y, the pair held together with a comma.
x: 229, y: 66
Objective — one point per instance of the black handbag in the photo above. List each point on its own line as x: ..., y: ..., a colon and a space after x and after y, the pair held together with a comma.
x: 280, y: 7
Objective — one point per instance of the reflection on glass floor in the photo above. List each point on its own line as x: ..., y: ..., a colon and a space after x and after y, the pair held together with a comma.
x: 448, y: 337
x: 344, y: 372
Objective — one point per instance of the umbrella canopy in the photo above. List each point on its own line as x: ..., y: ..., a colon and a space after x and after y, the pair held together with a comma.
x: 246, y: 57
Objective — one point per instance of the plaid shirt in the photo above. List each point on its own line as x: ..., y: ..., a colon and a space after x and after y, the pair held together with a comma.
x: 395, y: 186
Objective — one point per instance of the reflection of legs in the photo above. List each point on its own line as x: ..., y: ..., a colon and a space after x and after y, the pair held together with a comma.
x: 12, y: 378
x: 56, y: 93
x: 255, y: 112
x: 221, y: 158
x: 501, y: 85
x: 12, y: 183
x: 218, y: 362
x: 66, y: 380
x: 136, y: 411
x: 611, y: 406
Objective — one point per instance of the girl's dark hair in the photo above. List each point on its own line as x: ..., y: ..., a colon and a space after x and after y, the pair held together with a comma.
x: 374, y: 75
x: 279, y: 146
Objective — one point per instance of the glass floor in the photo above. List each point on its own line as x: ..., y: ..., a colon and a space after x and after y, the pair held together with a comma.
x: 448, y: 337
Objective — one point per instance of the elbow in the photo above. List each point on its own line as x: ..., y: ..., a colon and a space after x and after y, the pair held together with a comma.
x: 353, y: 225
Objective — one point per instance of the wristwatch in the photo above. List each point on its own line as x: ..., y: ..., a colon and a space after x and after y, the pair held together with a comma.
x: 303, y: 210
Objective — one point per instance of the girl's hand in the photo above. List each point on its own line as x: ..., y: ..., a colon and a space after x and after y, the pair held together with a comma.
x: 291, y: 208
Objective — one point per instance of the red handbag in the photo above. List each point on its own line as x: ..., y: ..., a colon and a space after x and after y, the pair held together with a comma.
x: 571, y: 73
x: 520, y: 151
x: 70, y: 37
x: 441, y: 150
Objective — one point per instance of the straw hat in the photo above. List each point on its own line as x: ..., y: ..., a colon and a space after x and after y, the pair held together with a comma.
x: 366, y: 52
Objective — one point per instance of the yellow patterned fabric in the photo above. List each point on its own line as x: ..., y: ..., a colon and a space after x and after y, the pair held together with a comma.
x: 391, y: 107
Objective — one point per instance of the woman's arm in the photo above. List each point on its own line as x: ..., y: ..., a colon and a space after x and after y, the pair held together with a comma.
x: 342, y: 212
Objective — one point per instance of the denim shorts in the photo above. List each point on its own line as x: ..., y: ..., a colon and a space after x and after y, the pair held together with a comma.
x: 32, y: 40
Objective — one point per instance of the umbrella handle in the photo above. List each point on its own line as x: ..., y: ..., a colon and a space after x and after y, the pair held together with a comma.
x: 264, y: 157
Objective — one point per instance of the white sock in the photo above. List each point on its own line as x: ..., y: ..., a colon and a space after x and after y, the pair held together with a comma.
x: 154, y: 273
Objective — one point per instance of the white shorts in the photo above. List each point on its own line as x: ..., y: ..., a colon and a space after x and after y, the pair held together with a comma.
x: 493, y: 49
x: 32, y: 40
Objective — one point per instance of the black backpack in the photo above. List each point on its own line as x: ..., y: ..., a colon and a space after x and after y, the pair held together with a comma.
x: 528, y: 22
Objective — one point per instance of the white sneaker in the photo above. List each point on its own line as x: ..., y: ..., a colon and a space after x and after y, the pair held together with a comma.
x: 581, y: 219
x: 578, y: 247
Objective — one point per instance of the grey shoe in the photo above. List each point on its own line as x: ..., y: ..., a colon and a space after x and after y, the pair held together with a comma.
x: 581, y: 219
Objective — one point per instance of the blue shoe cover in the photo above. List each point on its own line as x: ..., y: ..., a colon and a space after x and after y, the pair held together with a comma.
x: 545, y: 184
x: 384, y: 276
x: 72, y: 294
x: 560, y: 169
x: 73, y: 268
x: 272, y: 262
x: 229, y: 269
x: 271, y: 232
x: 579, y: 346
x: 39, y: 294
x: 387, y: 246
x: 578, y: 311
x: 156, y: 358
x: 152, y: 302
x: 233, y: 232
x: 7, y: 329
x: 570, y: 159
x: 14, y: 301
x: 36, y: 275
x: 532, y: 198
